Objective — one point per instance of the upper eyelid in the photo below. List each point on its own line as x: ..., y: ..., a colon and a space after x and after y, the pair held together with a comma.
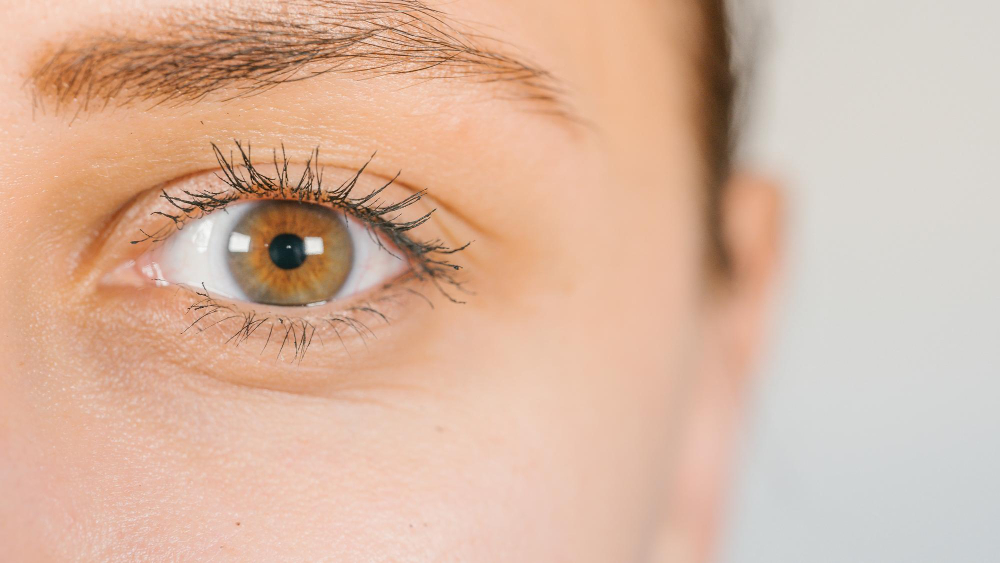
x: 248, y: 179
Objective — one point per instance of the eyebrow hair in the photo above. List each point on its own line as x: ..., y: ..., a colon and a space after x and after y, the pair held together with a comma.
x: 187, y: 60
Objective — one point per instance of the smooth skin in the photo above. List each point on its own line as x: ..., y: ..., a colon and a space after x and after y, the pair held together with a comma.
x: 580, y: 406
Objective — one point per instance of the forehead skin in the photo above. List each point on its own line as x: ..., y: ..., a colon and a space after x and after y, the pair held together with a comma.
x: 531, y: 424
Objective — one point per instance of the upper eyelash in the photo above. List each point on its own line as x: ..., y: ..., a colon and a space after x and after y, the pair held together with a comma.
x: 428, y: 259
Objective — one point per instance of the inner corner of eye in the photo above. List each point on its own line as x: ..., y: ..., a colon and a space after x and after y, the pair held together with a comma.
x: 278, y: 252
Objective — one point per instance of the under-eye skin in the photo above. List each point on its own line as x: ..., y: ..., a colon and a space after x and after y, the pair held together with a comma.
x: 273, y: 252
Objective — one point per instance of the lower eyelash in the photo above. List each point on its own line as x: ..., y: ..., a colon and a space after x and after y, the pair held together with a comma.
x: 285, y: 331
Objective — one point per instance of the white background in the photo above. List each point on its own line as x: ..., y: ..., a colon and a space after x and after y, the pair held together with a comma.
x: 874, y: 434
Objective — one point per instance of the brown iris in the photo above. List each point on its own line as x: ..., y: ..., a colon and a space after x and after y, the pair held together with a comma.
x: 290, y: 253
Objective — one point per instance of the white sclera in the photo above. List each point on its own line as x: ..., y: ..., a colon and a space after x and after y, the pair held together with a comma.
x: 197, y: 255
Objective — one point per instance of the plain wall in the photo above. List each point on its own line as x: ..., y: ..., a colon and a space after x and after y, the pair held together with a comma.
x: 874, y: 433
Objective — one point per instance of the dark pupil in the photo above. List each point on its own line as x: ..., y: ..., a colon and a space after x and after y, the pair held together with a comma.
x: 287, y: 251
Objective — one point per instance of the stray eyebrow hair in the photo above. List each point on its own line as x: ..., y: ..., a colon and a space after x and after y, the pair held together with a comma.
x: 187, y: 60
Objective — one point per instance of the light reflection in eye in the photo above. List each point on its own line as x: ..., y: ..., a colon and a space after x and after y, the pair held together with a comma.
x: 239, y: 242
x: 202, y: 236
x: 313, y: 246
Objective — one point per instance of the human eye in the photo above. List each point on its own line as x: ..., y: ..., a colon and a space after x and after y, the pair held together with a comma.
x: 258, y: 249
x: 276, y: 252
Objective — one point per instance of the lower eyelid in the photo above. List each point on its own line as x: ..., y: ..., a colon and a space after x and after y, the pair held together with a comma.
x: 311, y: 351
x: 289, y: 333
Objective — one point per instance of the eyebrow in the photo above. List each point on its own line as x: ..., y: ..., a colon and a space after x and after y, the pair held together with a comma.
x: 186, y: 60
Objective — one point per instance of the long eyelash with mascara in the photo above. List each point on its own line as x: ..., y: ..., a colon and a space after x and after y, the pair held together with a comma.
x: 428, y: 260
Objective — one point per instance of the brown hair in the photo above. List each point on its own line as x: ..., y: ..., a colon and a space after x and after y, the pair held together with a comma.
x: 720, y: 86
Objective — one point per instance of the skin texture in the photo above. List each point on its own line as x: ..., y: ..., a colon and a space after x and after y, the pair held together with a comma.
x: 577, y: 407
